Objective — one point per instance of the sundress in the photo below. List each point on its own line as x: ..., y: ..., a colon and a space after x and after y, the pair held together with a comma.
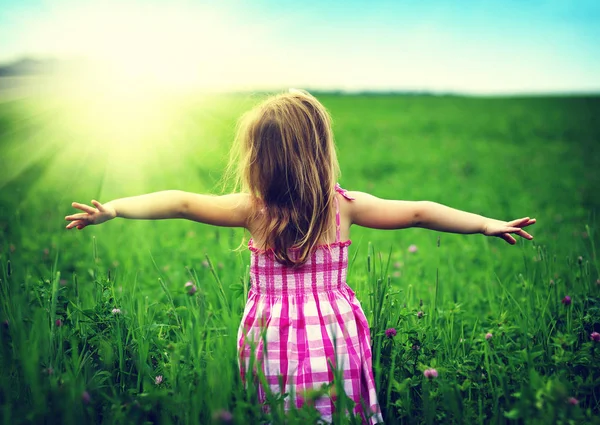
x: 309, y: 320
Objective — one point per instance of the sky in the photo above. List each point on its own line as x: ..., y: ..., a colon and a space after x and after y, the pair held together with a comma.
x: 457, y: 46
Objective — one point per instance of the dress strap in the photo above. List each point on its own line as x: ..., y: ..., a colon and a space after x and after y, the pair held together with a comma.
x: 344, y: 193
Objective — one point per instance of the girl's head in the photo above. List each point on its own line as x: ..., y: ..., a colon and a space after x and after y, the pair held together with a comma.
x: 287, y: 161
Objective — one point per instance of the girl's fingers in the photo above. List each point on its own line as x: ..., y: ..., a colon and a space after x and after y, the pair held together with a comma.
x: 524, y: 234
x: 518, y: 222
x: 508, y: 238
x: 98, y: 205
x: 74, y: 224
x: 522, y: 222
x: 83, y: 207
x: 529, y: 222
x: 518, y: 231
x: 76, y: 216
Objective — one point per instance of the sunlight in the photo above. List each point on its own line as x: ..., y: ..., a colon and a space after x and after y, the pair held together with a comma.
x: 166, y: 45
x: 138, y: 63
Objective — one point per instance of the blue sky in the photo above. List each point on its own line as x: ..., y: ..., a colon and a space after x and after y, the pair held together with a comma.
x: 448, y: 46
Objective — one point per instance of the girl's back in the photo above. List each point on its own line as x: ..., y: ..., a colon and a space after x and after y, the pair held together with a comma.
x: 304, y: 326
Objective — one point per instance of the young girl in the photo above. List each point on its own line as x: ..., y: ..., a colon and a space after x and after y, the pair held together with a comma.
x: 302, y: 323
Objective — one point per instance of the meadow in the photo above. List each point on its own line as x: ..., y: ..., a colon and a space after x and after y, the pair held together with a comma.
x: 99, y: 327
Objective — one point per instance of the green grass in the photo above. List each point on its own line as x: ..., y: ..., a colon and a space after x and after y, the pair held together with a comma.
x: 501, y: 157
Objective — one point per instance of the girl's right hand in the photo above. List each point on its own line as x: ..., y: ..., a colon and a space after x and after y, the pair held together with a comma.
x: 504, y: 229
x: 91, y: 215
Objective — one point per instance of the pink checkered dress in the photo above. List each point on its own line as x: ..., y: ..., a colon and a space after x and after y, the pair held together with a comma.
x: 307, y: 318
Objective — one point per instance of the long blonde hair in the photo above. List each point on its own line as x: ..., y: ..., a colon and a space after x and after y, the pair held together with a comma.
x: 286, y: 160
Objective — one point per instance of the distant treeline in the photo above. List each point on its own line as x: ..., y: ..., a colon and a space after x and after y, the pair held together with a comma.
x: 31, y: 66
x: 45, y: 67
x: 26, y: 66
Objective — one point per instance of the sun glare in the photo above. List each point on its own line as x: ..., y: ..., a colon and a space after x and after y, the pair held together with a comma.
x: 166, y: 45
x: 135, y: 61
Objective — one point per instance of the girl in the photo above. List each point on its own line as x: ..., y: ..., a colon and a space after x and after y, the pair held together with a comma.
x: 302, y: 323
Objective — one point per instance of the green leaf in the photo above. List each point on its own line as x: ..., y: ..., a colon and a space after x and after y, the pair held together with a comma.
x: 513, y: 414
x: 400, y: 386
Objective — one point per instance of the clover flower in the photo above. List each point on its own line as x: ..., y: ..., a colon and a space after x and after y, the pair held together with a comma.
x: 158, y: 380
x: 390, y: 333
x: 192, y: 288
x: 116, y: 311
x: 223, y: 416
x: 573, y: 401
x: 430, y: 373
x: 488, y: 336
x: 419, y: 314
x: 595, y: 336
x: 413, y: 248
x: 566, y: 300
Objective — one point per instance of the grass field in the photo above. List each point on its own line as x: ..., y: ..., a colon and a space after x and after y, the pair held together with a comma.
x: 491, y: 318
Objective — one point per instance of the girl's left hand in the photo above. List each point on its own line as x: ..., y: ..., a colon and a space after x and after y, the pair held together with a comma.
x: 91, y: 215
x: 504, y: 229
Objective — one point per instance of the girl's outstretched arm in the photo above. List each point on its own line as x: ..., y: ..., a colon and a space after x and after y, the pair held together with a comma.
x: 370, y: 211
x: 227, y: 210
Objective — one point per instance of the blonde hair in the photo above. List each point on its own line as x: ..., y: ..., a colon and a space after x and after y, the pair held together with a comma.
x: 286, y: 160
